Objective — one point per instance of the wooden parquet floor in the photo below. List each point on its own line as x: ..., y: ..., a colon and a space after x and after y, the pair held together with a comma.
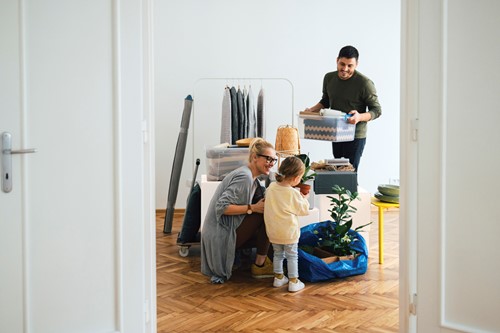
x: 188, y: 302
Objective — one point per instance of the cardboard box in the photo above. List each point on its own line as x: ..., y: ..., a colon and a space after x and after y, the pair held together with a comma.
x: 325, y: 180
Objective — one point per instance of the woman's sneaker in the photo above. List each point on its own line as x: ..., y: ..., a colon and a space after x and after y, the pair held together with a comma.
x: 280, y: 282
x: 294, y: 287
x: 266, y: 271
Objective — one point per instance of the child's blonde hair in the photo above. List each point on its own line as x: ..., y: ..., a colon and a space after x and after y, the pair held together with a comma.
x: 291, y: 167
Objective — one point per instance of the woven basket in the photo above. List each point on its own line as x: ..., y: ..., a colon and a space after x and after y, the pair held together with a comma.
x: 287, y: 141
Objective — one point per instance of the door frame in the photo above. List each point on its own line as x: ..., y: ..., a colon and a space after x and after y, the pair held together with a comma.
x: 137, y: 250
x: 408, y: 163
x: 408, y: 171
x: 148, y: 125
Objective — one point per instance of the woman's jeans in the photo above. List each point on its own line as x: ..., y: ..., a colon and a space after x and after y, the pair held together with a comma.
x: 290, y: 252
x: 252, y: 229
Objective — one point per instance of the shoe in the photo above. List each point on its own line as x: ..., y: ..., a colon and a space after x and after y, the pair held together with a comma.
x: 280, y: 282
x: 297, y: 286
x: 265, y: 271
x: 237, y: 260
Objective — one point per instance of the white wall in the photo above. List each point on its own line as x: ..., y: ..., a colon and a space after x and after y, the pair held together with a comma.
x: 295, y: 40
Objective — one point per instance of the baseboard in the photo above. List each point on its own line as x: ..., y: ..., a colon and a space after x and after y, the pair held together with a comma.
x: 177, y: 211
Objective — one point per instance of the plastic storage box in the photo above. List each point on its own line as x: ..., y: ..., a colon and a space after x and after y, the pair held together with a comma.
x: 326, y: 128
x: 325, y: 180
x: 221, y: 161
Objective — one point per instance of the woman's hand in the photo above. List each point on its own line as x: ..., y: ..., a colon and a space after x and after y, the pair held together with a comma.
x: 258, y: 207
x: 242, y: 209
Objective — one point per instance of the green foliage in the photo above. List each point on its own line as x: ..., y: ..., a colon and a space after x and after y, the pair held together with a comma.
x: 335, y: 237
x: 341, y: 208
x: 308, y: 173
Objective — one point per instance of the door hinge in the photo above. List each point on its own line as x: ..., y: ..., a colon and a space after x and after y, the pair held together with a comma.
x: 145, y: 131
x: 413, y: 304
x: 414, y: 129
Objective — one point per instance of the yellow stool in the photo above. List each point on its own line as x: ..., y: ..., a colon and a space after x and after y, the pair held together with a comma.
x: 381, y: 205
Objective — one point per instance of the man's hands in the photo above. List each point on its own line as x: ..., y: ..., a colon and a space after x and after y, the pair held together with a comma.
x: 356, y: 117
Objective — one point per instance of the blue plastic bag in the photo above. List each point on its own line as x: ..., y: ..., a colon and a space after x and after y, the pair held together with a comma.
x: 313, y: 269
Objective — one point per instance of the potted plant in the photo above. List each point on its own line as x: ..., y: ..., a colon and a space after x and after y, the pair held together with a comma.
x: 335, y: 242
x: 307, y: 176
x: 331, y: 248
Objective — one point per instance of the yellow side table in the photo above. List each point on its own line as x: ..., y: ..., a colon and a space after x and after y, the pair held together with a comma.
x: 381, y: 205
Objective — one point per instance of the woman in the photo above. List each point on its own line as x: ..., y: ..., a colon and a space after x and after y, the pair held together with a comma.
x: 232, y: 219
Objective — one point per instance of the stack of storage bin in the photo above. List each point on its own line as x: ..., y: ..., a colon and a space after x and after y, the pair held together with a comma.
x: 221, y: 161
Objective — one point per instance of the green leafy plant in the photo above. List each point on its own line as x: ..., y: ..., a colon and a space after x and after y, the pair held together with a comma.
x: 308, y: 173
x: 334, y: 237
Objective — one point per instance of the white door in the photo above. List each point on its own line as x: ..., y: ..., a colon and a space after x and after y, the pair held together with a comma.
x: 450, y: 214
x: 73, y: 234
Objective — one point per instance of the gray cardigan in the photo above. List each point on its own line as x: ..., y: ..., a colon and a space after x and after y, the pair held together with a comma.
x: 218, y: 237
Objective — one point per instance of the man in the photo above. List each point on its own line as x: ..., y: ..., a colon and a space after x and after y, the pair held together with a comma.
x: 349, y: 91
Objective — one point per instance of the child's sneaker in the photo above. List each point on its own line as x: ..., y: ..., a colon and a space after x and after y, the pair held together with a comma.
x: 265, y: 271
x: 280, y: 282
x: 294, y: 287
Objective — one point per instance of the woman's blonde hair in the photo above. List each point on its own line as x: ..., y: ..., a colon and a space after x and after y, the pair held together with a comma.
x: 291, y: 167
x: 257, y: 146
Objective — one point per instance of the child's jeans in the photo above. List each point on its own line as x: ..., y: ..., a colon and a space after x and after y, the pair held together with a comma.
x: 290, y: 252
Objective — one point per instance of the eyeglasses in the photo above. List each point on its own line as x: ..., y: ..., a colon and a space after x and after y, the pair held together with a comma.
x: 269, y: 159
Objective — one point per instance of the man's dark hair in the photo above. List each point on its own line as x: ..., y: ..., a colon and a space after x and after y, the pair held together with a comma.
x: 349, y: 52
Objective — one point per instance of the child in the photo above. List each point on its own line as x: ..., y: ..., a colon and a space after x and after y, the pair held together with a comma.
x: 282, y: 206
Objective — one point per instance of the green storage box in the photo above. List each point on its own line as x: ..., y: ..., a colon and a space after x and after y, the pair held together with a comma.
x: 325, y: 180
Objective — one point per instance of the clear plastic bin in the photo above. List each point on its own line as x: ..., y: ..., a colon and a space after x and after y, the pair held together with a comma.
x: 221, y: 161
x: 326, y: 128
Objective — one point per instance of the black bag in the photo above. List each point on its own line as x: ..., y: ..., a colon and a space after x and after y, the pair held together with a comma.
x: 192, y: 218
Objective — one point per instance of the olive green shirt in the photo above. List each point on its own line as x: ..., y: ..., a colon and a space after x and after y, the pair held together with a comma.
x: 356, y: 93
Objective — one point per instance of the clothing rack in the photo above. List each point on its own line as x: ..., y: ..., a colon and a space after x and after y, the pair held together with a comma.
x: 237, y: 81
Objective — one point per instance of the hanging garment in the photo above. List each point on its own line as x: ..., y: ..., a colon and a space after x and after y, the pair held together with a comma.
x: 260, y: 114
x: 252, y: 116
x: 245, y: 97
x: 241, y: 115
x: 234, y: 115
x: 225, y: 126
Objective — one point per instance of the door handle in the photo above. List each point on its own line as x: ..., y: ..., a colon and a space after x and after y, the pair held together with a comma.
x: 23, y: 151
x: 7, y: 153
